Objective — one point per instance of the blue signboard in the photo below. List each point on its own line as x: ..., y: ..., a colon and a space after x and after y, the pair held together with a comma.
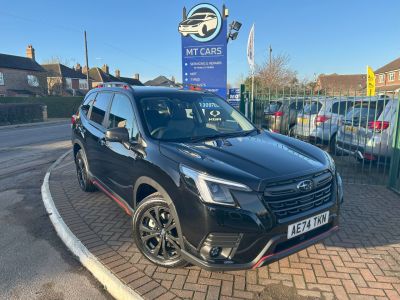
x: 234, y: 97
x: 204, y: 49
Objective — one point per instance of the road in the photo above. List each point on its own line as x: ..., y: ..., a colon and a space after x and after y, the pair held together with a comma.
x: 34, y: 263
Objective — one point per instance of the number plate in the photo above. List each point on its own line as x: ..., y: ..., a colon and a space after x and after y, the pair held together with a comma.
x: 351, y: 129
x: 303, y: 121
x: 307, y: 225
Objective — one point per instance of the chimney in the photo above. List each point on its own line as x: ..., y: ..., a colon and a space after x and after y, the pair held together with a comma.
x: 30, y: 52
x: 105, y: 69
x: 85, y: 70
x: 78, y: 68
x: 117, y: 73
x: 136, y: 76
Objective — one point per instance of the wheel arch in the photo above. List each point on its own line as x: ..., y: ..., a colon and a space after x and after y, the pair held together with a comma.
x: 150, y: 182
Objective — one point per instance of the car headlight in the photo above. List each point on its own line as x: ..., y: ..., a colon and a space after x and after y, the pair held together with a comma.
x: 211, y: 189
x: 332, y: 164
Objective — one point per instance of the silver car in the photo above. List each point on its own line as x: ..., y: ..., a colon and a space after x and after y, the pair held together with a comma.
x: 321, y: 118
x: 367, y: 131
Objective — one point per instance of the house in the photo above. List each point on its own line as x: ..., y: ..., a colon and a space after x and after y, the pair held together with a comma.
x: 63, y: 81
x: 162, y: 81
x: 22, y: 76
x: 341, y: 84
x: 131, y: 81
x: 387, y: 78
x: 100, y: 75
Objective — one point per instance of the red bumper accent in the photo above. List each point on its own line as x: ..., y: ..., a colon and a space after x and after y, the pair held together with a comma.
x: 290, y: 250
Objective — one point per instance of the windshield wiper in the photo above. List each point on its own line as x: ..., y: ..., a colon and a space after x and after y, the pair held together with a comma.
x: 221, y: 135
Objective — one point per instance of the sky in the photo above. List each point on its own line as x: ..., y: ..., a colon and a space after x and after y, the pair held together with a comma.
x: 330, y: 36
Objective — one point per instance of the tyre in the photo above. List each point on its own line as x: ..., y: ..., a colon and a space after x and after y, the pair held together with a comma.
x: 82, y: 173
x: 156, y: 232
x: 291, y: 132
x: 203, y: 30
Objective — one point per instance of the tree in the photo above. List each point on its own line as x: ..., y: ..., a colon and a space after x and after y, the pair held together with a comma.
x: 276, y: 73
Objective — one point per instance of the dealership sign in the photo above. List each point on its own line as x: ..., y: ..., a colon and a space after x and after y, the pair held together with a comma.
x: 204, y: 49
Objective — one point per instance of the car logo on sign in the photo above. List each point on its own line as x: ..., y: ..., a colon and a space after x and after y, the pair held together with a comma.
x: 305, y: 186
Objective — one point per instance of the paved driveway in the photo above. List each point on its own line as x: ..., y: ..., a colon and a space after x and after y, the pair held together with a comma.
x: 362, y: 261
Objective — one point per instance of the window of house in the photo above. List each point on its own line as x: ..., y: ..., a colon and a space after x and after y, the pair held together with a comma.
x: 33, y: 80
x: 121, y: 115
x: 391, y: 76
x: 83, y: 84
x: 382, y: 78
x: 1, y: 78
x: 99, y: 107
x: 68, y: 83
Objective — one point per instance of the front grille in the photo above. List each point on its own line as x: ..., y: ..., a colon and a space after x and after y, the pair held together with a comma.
x: 285, y: 200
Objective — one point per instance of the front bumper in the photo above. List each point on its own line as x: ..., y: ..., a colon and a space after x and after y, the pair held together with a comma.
x: 262, y: 258
x: 263, y: 237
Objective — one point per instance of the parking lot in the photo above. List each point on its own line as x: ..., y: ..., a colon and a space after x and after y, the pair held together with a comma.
x: 361, y: 261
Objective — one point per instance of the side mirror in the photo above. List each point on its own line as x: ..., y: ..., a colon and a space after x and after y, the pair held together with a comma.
x: 117, y: 134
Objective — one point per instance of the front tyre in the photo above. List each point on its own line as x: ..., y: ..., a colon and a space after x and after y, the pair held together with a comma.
x: 156, y: 232
x: 82, y: 173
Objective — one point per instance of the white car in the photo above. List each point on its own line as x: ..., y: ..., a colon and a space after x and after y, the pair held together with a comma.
x: 198, y: 23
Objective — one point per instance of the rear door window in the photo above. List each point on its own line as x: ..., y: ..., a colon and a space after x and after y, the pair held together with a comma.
x: 99, y: 107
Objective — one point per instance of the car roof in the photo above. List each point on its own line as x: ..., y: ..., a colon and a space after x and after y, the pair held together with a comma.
x: 140, y: 91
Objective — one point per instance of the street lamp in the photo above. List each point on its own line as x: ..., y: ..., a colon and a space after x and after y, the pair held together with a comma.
x: 234, y: 28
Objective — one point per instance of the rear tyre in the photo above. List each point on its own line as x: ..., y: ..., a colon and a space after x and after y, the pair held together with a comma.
x: 156, y: 232
x: 82, y: 173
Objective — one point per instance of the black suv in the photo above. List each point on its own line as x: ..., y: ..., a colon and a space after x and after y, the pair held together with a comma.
x: 202, y: 184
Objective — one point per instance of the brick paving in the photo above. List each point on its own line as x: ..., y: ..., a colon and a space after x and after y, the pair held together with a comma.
x: 362, y: 261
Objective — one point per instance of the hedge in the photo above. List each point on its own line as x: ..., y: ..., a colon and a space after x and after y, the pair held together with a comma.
x: 57, y: 107
x: 14, y: 113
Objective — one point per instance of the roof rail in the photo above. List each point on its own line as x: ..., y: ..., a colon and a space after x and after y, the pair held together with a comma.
x: 115, y: 84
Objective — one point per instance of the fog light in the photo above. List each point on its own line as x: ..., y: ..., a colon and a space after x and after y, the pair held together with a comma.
x: 215, y: 252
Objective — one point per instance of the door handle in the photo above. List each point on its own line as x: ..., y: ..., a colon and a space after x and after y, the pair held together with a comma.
x: 102, y: 142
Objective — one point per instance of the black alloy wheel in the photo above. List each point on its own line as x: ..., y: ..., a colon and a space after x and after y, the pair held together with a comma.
x: 156, y: 232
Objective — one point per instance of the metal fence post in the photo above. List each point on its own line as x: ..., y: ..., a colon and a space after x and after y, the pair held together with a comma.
x: 394, y: 172
x: 242, y: 99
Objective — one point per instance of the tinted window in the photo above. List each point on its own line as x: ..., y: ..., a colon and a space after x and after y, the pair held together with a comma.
x: 99, y: 107
x: 121, y: 115
x: 367, y: 111
x: 272, y: 107
x: 87, y: 103
x: 298, y: 105
x: 341, y: 107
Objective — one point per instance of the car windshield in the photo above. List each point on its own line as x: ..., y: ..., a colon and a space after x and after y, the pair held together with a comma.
x: 365, y: 111
x: 312, y: 108
x: 192, y: 116
x: 198, y: 16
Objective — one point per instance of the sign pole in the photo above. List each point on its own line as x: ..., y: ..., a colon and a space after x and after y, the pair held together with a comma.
x: 252, y: 96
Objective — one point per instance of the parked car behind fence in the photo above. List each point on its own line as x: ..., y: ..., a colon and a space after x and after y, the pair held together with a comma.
x: 367, y: 130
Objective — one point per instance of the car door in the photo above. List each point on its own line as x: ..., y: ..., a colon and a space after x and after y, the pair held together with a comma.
x: 119, y: 160
x: 95, y: 133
